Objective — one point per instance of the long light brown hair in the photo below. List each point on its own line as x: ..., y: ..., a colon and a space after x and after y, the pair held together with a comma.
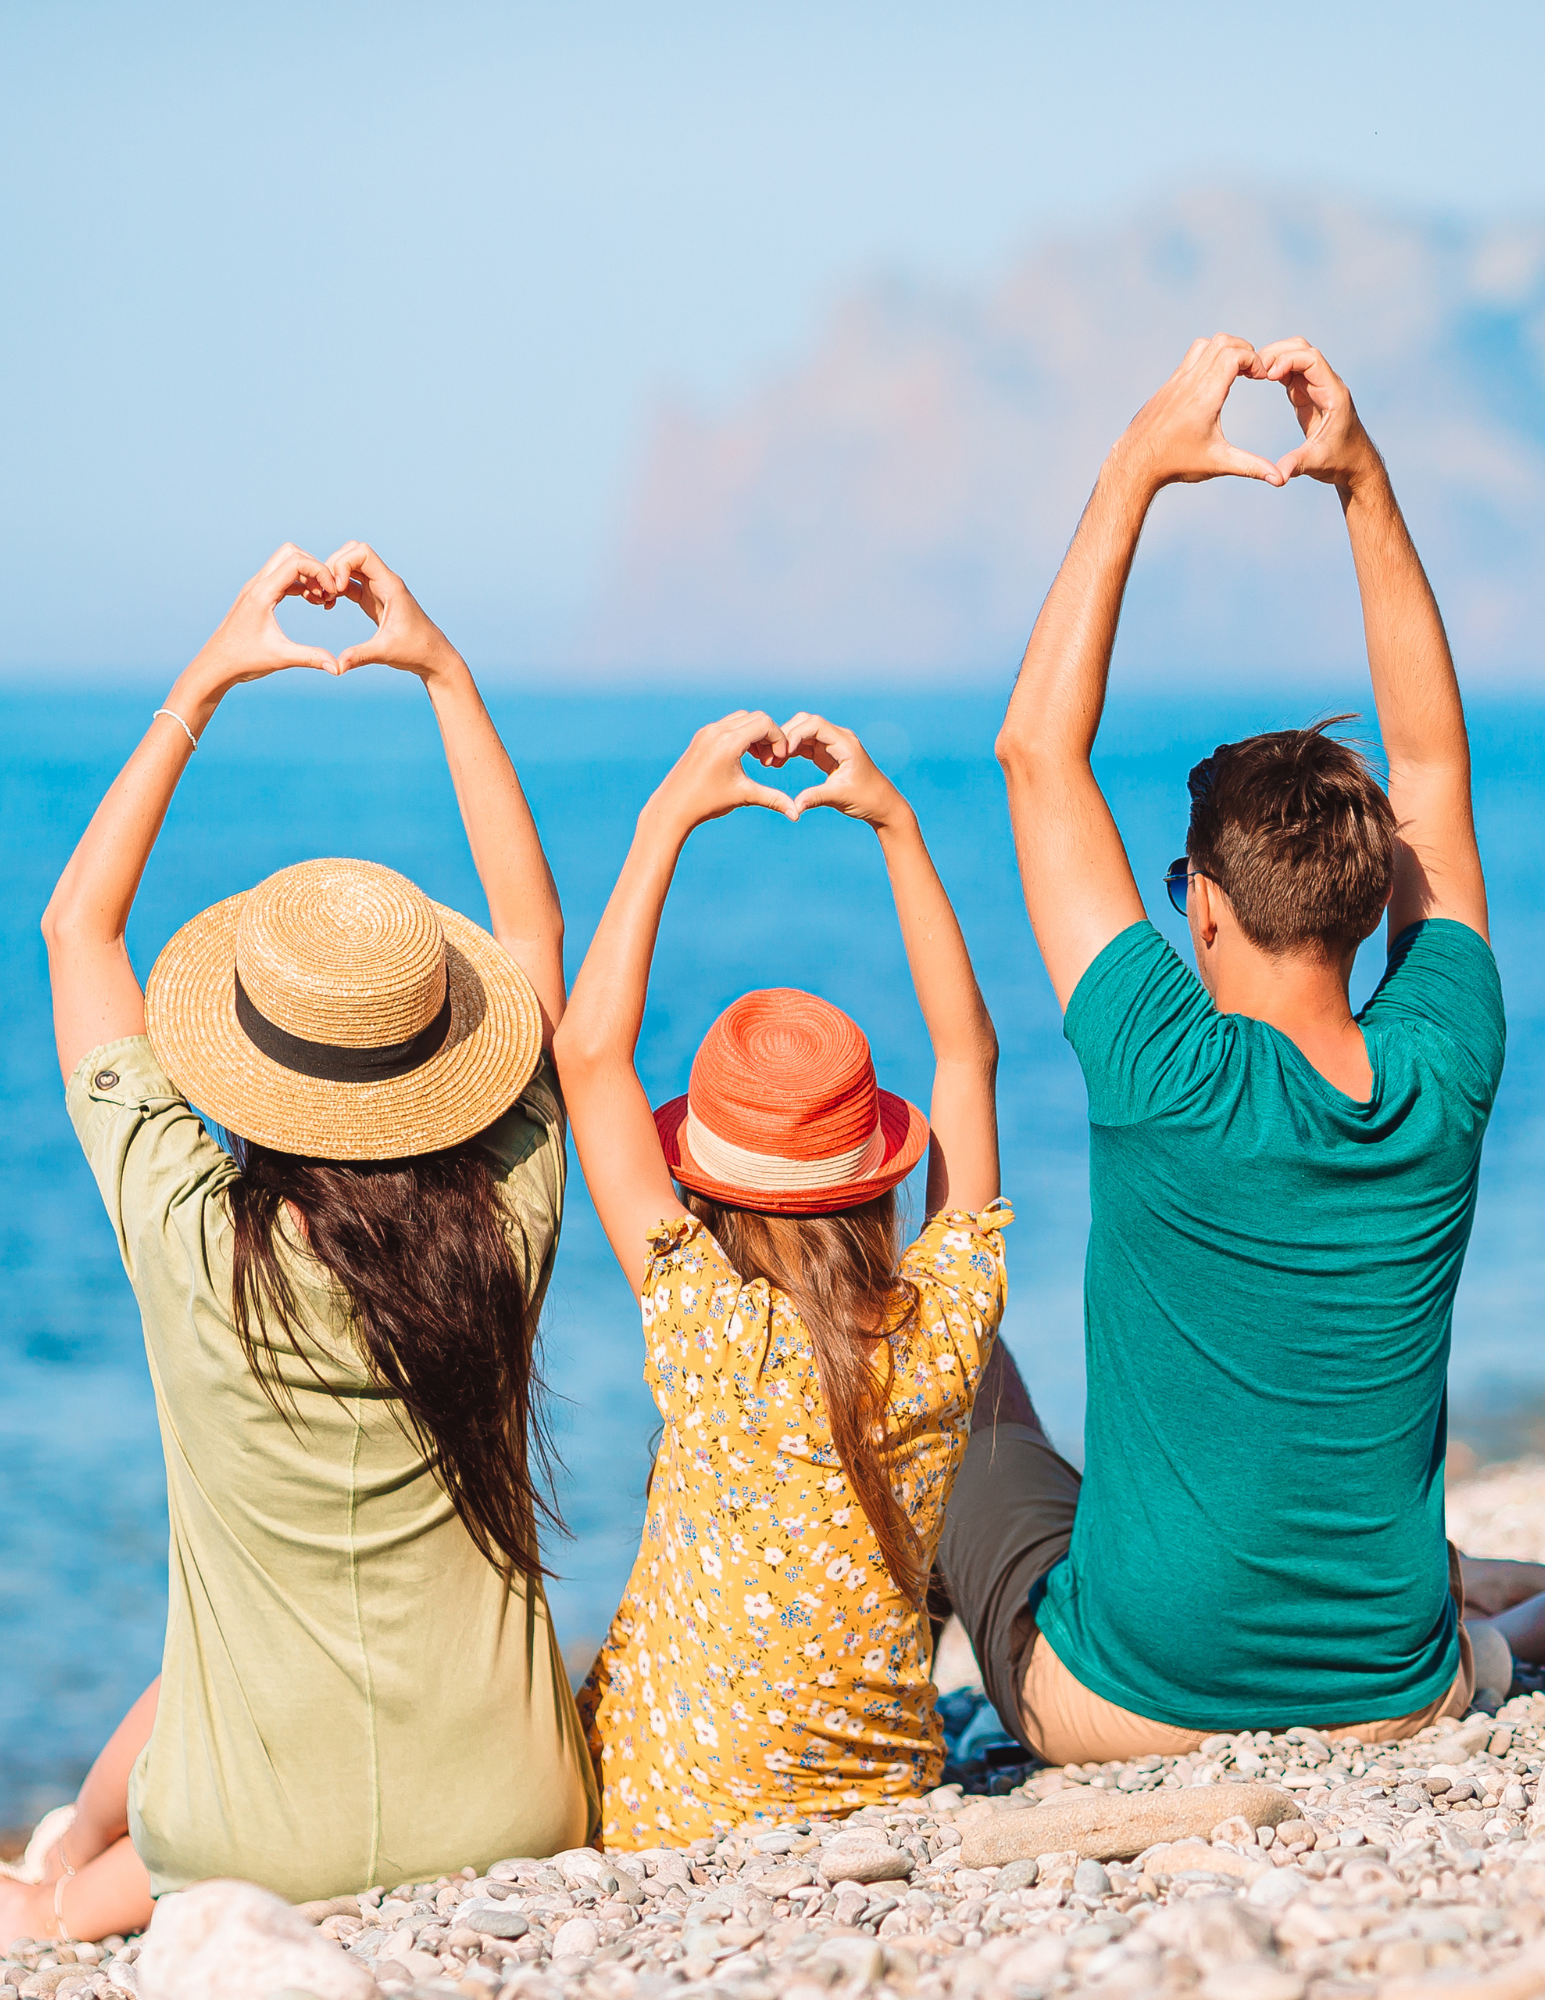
x: 438, y: 1311
x: 841, y: 1274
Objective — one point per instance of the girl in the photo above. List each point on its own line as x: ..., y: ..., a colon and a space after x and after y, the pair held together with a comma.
x: 771, y: 1654
x: 360, y: 1682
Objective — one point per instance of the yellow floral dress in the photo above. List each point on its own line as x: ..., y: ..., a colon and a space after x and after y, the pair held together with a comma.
x: 762, y: 1662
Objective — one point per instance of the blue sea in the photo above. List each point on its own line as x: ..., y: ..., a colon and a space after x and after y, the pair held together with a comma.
x: 289, y: 770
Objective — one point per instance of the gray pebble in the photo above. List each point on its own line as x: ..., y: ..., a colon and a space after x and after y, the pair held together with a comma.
x: 492, y: 1920
x: 1021, y: 1874
x: 1091, y: 1880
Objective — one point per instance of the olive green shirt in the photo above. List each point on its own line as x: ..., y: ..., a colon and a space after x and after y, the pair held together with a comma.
x: 351, y: 1694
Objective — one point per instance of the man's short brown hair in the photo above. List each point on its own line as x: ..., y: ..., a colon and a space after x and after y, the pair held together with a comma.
x: 1297, y: 832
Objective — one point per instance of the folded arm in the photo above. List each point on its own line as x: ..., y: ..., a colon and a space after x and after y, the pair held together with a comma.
x: 524, y: 912
x: 1078, y: 882
x: 963, y: 1118
x: 1421, y: 717
x: 614, y: 1129
x: 97, y: 997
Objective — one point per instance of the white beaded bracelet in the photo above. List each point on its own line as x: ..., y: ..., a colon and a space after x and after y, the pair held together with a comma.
x: 179, y: 722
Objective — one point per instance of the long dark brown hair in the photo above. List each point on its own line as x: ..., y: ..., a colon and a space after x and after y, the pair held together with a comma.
x: 437, y: 1306
x: 840, y: 1273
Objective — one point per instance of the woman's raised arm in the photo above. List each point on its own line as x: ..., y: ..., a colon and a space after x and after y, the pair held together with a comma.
x: 614, y: 1129
x: 97, y: 998
x: 524, y: 913
x: 963, y: 1112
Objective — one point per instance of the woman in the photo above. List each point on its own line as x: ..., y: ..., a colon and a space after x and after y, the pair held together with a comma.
x: 771, y: 1654
x: 360, y: 1682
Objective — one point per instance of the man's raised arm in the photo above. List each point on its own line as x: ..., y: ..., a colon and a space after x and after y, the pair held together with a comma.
x: 1078, y: 882
x: 1421, y: 718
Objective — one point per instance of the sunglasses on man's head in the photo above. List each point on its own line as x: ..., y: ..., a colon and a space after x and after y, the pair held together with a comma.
x: 1177, y: 879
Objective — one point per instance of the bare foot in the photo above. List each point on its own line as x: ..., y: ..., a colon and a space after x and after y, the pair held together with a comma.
x: 1493, y: 1583
x: 25, y: 1912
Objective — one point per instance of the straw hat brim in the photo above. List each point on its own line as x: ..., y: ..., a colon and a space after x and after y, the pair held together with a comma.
x: 906, y: 1139
x: 489, y: 1054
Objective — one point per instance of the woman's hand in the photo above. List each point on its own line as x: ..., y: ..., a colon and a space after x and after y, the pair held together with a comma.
x: 709, y: 779
x: 249, y: 643
x: 405, y: 637
x: 854, y: 784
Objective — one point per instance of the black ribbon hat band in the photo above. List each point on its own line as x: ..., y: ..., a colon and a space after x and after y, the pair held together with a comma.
x: 332, y: 1062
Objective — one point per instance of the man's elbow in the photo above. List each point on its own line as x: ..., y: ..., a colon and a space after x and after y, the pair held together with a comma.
x: 1021, y: 753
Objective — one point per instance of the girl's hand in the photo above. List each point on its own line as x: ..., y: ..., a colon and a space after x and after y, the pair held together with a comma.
x: 855, y: 785
x: 248, y: 642
x: 404, y: 636
x: 709, y: 780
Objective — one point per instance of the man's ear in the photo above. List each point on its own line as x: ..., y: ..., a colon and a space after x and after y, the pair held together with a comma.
x: 1210, y: 905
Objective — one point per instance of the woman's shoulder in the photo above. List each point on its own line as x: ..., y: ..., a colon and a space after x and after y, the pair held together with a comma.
x: 527, y: 1143
x: 148, y: 1149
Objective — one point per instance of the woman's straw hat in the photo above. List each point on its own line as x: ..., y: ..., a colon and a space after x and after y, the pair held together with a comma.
x: 334, y: 1011
x: 783, y: 1114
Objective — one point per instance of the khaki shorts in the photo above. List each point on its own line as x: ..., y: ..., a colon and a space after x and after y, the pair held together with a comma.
x: 1068, y: 1724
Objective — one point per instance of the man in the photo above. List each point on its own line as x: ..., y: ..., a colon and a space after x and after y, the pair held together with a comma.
x: 1281, y: 1190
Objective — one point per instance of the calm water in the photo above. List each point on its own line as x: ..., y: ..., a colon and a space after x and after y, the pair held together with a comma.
x: 290, y: 771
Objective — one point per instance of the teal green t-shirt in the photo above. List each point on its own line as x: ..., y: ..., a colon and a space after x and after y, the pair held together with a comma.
x: 1268, y: 1296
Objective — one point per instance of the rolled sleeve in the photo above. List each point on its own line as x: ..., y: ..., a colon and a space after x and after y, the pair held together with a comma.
x: 153, y: 1160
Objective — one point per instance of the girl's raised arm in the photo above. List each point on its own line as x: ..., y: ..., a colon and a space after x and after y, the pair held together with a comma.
x: 97, y: 998
x: 614, y: 1129
x: 963, y: 1114
x: 524, y: 913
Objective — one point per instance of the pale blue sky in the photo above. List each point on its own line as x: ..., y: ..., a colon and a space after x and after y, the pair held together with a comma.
x: 421, y: 274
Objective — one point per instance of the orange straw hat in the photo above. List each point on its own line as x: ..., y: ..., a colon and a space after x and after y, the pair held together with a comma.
x: 783, y: 1113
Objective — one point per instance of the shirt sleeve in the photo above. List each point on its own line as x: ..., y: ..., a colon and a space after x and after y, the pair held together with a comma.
x: 705, y: 1332
x: 961, y: 1275
x: 1443, y: 977
x: 1143, y: 1029
x: 530, y: 1150
x: 155, y: 1164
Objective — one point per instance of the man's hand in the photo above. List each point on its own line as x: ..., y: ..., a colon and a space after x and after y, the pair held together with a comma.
x: 1177, y: 436
x: 854, y: 784
x: 1336, y: 448
x: 709, y: 780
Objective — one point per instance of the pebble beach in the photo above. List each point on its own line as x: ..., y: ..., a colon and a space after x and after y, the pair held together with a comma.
x: 1260, y: 1868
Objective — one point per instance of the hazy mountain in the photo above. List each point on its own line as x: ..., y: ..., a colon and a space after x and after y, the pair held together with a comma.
x: 901, y: 496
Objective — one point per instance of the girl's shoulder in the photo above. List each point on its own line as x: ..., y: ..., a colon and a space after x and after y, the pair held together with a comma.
x: 689, y: 1276
x: 961, y: 1252
x: 957, y: 1232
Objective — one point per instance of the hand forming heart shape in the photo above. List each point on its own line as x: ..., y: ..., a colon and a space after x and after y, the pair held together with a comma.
x: 249, y: 643
x: 1177, y: 436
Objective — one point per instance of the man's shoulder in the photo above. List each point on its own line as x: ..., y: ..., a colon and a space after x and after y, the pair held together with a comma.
x: 1441, y: 981
x: 1143, y: 1028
